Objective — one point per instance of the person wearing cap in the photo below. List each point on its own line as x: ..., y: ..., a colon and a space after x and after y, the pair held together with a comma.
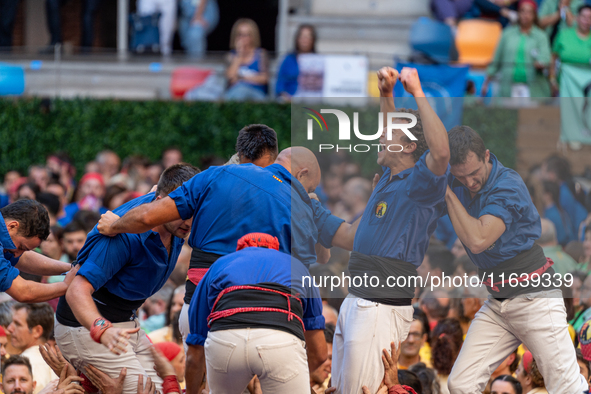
x: 116, y: 276
x: 528, y: 374
x: 252, y: 315
x: 229, y: 201
x: 494, y: 217
x: 23, y: 225
x: 176, y: 355
x: 521, y: 56
x: 89, y: 196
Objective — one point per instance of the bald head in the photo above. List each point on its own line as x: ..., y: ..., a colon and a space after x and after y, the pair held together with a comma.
x: 302, y: 164
x: 548, y: 237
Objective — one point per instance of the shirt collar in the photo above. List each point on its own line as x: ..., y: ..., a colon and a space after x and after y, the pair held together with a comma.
x: 5, y: 239
x: 281, y: 172
x: 401, y: 175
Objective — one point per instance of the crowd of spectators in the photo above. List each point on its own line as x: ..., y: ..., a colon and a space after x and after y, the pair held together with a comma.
x: 441, y: 317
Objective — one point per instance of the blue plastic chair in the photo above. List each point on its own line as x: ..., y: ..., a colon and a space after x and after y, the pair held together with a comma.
x: 431, y: 38
x: 12, y: 80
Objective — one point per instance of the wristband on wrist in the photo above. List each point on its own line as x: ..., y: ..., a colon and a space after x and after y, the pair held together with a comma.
x: 170, y: 385
x: 98, y: 328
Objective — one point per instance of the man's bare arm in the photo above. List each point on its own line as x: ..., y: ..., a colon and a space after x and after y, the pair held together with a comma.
x: 195, y: 369
x: 322, y: 254
x: 316, y: 348
x: 477, y: 234
x: 28, y: 291
x: 345, y: 235
x: 38, y: 264
x: 140, y: 219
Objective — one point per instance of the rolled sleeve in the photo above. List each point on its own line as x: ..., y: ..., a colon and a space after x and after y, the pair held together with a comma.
x: 185, y: 197
x: 199, y: 310
x: 195, y: 339
x: 314, y: 323
x: 326, y: 223
x: 313, y: 319
x: 424, y: 187
x: 499, y: 212
x: 7, y: 274
x: 103, y: 257
x: 94, y: 274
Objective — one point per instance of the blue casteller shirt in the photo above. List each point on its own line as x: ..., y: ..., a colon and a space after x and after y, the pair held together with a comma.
x: 575, y: 210
x: 505, y: 196
x: 7, y: 260
x: 130, y: 266
x: 252, y: 266
x: 231, y: 201
x: 402, y: 214
x: 287, y: 78
x: 562, y: 223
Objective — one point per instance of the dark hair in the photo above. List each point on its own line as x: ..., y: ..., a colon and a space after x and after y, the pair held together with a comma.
x: 31, y: 216
x: 427, y: 376
x: 40, y: 314
x: 56, y: 182
x: 329, y: 329
x: 421, y: 317
x: 17, y: 360
x: 536, y: 376
x: 410, y: 379
x: 111, y: 192
x: 177, y: 337
x: 515, y: 363
x: 553, y: 189
x: 434, y: 307
x: 87, y: 219
x: 559, y: 166
x: 446, y: 341
x: 581, y: 358
x: 418, y: 132
x: 297, y: 36
x: 511, y: 380
x: 255, y: 140
x: 441, y: 257
x: 73, y: 227
x: 31, y: 185
x: 174, y: 176
x: 6, y: 312
x: 462, y: 141
x: 50, y: 201
x: 581, y: 8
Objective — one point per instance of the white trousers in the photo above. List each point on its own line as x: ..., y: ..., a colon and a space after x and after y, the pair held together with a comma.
x: 167, y: 21
x: 279, y: 359
x: 184, y: 327
x: 365, y: 328
x: 539, y: 321
x: 80, y: 350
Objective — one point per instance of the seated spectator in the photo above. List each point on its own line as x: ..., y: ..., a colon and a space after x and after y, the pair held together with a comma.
x: 52, y: 203
x: 176, y: 355
x: 247, y: 72
x: 287, y: 78
x: 31, y: 326
x: 573, y: 46
x: 563, y: 263
x: 155, y: 308
x: 89, y: 195
x: 505, y: 384
x: 320, y: 377
x: 17, y: 376
x: 28, y: 190
x: 165, y: 334
x: 446, y: 342
x: 521, y: 56
x: 557, y: 15
x: 450, y: 11
x: 39, y: 175
x: 428, y: 378
x: 503, y: 11
x: 529, y: 376
x: 197, y: 20
x: 565, y: 231
x: 52, y: 248
x: 73, y: 238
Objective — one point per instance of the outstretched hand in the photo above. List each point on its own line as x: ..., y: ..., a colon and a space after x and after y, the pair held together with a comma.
x: 411, y: 82
x: 387, y: 77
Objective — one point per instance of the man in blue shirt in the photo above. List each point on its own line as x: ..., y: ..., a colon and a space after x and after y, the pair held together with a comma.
x: 253, y: 315
x: 494, y: 217
x: 23, y: 225
x: 391, y: 239
x: 116, y: 276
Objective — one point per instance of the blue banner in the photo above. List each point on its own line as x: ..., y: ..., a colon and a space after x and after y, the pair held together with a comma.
x: 446, y: 84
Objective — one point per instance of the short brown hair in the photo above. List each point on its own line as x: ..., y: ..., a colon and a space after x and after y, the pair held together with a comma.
x: 174, y: 176
x: 462, y: 141
x: 256, y: 36
x: 17, y: 360
x: 40, y: 314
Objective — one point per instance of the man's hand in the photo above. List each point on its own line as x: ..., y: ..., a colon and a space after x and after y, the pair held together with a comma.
x: 382, y: 390
x: 71, y: 275
x: 162, y: 366
x: 390, y: 365
x: 50, y: 388
x: 411, y: 82
x: 106, y: 222
x: 105, y: 383
x: 116, y: 339
x: 54, y: 358
x: 149, y: 388
x: 70, y: 384
x: 387, y: 77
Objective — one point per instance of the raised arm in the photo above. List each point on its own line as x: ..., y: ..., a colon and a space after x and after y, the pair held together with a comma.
x: 477, y: 234
x: 433, y: 128
x: 38, y: 264
x: 139, y: 219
